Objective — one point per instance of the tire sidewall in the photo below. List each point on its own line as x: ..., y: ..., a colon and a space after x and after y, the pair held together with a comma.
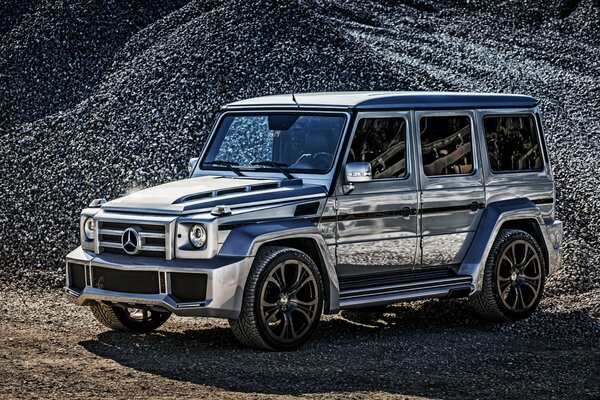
x: 265, y: 270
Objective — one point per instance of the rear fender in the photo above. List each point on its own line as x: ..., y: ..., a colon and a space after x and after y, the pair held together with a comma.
x: 494, y: 216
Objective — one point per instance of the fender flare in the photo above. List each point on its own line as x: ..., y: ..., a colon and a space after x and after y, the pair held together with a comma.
x: 494, y: 216
x: 245, y: 241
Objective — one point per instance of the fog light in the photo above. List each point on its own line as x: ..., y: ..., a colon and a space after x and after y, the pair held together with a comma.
x: 198, y: 236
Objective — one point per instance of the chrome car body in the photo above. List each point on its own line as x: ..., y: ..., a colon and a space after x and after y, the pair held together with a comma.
x: 375, y: 241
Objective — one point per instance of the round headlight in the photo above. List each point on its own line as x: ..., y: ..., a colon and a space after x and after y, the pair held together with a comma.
x: 88, y: 228
x: 198, y: 236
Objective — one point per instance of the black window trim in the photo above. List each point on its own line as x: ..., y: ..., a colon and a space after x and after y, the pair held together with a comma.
x: 409, y: 171
x: 541, y: 143
x: 475, y: 170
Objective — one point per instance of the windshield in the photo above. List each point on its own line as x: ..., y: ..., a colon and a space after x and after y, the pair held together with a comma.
x: 290, y: 141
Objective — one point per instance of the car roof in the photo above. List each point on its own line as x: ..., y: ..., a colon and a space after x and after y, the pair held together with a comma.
x: 388, y: 100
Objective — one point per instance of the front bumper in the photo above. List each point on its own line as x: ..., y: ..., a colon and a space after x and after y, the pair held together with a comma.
x: 220, y: 294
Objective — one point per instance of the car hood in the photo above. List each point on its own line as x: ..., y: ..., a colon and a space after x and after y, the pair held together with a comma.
x: 201, y: 194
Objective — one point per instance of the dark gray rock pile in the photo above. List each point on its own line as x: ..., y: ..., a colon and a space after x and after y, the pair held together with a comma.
x: 96, y: 98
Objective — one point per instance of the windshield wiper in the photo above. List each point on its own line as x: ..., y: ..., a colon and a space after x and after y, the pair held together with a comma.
x: 227, y: 164
x: 278, y: 166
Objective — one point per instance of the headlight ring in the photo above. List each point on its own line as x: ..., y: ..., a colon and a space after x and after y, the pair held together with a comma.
x: 198, y: 236
x: 89, y: 228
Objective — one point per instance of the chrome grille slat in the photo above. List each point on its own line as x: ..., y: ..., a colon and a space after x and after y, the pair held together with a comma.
x: 113, y: 232
x: 152, y: 235
x: 152, y: 248
x: 111, y: 245
x: 110, y: 230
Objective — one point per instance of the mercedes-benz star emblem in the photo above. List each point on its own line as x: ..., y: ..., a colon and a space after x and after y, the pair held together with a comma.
x: 130, y: 240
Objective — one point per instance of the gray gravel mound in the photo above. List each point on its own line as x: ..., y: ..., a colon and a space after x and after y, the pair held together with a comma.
x: 97, y: 99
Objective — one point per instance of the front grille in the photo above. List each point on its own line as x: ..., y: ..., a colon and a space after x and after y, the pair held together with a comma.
x: 153, y: 238
x: 188, y: 287
x: 76, y: 276
x: 145, y: 282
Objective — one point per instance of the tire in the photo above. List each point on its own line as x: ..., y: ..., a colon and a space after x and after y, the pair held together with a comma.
x: 513, y: 282
x: 283, y: 301
x: 129, y: 319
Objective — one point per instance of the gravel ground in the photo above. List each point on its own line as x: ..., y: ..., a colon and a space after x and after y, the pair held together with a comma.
x: 427, y: 349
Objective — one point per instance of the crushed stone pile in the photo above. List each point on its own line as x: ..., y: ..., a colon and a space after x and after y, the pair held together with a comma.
x: 98, y: 98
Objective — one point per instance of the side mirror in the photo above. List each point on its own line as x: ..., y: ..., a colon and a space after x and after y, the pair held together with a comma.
x: 357, y: 172
x: 192, y: 164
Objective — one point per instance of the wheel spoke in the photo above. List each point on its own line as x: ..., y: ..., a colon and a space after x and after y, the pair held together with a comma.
x: 269, y: 314
x: 279, y: 274
x: 527, y: 262
x: 517, y: 296
x: 506, y: 258
x: 309, y: 303
x: 287, y: 331
x: 532, y: 286
x: 272, y: 279
x: 308, y: 314
x: 525, y: 254
x: 506, y: 292
x: 300, y: 273
x: 514, y: 254
x: 266, y: 304
x: 504, y: 285
x: 309, y: 279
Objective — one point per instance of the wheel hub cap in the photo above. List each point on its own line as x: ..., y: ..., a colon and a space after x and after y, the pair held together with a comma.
x: 284, y: 300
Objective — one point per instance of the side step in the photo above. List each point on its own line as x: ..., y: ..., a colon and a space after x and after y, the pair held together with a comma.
x: 413, y: 285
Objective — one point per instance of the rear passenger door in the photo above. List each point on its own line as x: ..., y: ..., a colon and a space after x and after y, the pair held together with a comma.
x: 377, y: 222
x: 452, y: 190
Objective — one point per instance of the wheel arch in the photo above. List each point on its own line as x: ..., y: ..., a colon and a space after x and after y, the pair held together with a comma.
x: 299, y: 234
x: 532, y: 227
x: 519, y: 213
x: 311, y: 248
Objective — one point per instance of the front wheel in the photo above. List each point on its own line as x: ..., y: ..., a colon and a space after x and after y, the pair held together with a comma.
x: 129, y: 319
x: 513, y: 280
x: 283, y: 301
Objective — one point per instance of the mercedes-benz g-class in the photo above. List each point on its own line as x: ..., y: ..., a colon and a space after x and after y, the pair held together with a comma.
x: 306, y: 204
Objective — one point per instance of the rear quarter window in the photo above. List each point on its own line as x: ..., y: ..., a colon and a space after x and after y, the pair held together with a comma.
x: 513, y: 143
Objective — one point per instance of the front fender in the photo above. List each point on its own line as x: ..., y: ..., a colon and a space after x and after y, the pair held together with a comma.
x: 245, y: 241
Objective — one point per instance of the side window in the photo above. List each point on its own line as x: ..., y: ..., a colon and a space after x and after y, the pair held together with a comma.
x: 512, y: 143
x: 382, y: 143
x: 446, y: 145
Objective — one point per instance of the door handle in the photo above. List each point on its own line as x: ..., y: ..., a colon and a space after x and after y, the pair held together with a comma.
x: 407, y: 211
x: 474, y: 206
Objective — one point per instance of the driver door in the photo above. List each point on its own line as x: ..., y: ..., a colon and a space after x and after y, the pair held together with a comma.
x: 377, y: 222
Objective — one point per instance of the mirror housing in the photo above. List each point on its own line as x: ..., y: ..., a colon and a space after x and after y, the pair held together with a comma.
x: 357, y: 172
x: 192, y: 164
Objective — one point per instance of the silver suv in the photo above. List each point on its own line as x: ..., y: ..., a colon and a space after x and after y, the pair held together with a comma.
x: 307, y: 204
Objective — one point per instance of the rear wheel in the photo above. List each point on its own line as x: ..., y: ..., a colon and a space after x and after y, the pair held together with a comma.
x: 129, y: 319
x: 514, y: 277
x: 283, y: 301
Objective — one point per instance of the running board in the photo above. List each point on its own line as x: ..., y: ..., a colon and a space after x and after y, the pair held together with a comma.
x: 456, y: 286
